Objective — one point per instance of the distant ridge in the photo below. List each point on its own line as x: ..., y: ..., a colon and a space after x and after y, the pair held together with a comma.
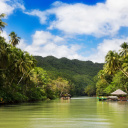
x: 80, y: 73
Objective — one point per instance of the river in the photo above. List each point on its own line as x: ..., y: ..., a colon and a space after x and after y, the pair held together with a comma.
x: 79, y: 112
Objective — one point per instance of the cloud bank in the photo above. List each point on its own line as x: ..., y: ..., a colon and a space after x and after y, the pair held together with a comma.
x: 103, y: 48
x: 44, y: 44
x: 98, y: 20
x: 8, y: 6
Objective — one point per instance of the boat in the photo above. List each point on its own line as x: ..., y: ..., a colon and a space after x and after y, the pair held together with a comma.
x: 66, y: 96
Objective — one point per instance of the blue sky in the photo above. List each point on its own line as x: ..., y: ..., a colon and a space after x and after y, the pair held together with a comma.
x: 76, y: 29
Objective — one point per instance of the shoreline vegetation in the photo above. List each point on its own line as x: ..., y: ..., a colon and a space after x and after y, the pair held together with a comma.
x: 115, y: 72
x: 22, y: 81
x: 24, y: 77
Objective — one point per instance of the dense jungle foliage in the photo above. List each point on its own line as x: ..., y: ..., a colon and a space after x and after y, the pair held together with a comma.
x: 115, y: 72
x: 20, y: 79
x: 80, y: 74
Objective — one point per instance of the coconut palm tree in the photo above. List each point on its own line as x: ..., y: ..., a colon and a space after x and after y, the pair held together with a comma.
x: 14, y: 39
x: 101, y: 74
x: 114, y: 63
x: 5, y: 53
x: 25, y: 64
x: 2, y: 24
x: 124, y: 50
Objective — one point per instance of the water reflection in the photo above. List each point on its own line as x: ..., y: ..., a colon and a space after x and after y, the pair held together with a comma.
x: 119, y: 105
x: 79, y: 112
x: 116, y: 112
x: 65, y: 101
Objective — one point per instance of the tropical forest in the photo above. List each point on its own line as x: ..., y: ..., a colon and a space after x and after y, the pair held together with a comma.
x: 115, y: 72
x: 24, y: 77
x: 20, y: 79
x: 63, y: 63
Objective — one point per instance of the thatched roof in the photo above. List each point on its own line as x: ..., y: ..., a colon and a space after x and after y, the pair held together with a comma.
x: 119, y: 92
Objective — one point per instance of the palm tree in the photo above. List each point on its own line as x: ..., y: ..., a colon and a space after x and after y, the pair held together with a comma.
x: 14, y: 38
x: 2, y: 24
x: 124, y: 50
x: 25, y: 64
x: 114, y: 63
x: 5, y: 53
x: 101, y: 74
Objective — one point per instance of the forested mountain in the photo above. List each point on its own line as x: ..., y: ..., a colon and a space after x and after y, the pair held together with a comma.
x: 79, y: 73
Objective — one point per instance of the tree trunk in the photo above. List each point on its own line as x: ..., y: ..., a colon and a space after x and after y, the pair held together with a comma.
x: 21, y: 79
x: 125, y: 73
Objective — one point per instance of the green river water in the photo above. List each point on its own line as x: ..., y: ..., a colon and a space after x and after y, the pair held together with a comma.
x: 79, y: 112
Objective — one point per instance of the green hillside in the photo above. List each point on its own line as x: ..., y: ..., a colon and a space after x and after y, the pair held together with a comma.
x: 79, y: 73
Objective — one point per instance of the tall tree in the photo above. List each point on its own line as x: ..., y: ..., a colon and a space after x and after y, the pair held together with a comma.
x: 124, y: 50
x: 14, y: 39
x: 25, y: 63
x: 2, y: 24
x: 5, y: 54
x: 112, y: 62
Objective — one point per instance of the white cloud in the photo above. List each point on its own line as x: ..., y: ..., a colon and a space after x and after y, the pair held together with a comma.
x: 8, y: 6
x: 43, y: 37
x: 5, y: 8
x: 98, y: 20
x: 40, y: 14
x: 5, y: 35
x: 22, y: 44
x: 19, y: 5
x: 103, y: 48
x: 44, y: 44
x: 48, y: 46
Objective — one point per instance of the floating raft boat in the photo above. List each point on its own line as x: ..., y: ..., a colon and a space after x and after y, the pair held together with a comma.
x: 117, y: 95
x: 66, y: 96
x: 111, y: 98
x: 102, y: 98
x: 108, y: 98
